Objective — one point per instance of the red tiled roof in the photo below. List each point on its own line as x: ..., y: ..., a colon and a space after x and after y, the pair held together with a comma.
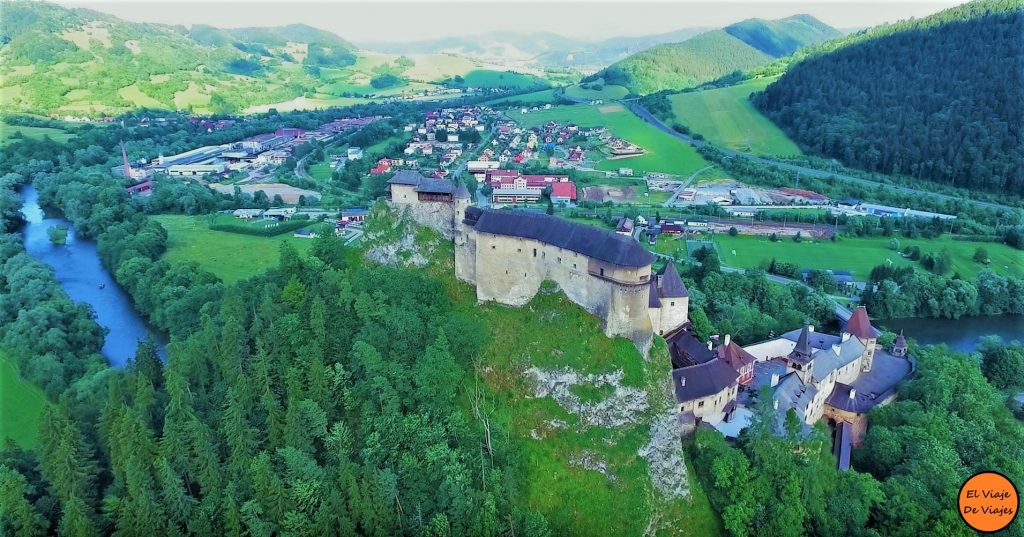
x: 564, y: 190
x: 859, y: 325
x: 735, y: 356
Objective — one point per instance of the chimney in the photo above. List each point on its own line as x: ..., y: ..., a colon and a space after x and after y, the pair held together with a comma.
x: 810, y: 328
x: 775, y: 379
x: 853, y: 393
x: 728, y: 339
x: 775, y: 404
x: 682, y: 380
x: 709, y: 346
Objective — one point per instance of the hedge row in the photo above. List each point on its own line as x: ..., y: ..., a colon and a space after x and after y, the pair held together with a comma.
x: 283, y: 227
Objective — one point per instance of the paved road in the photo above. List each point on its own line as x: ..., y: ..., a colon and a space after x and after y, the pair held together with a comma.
x: 639, y: 110
x: 300, y: 168
x: 682, y: 186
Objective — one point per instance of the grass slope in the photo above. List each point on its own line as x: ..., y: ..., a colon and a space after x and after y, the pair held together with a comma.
x: 535, y: 97
x: 665, y: 153
x: 9, y: 133
x: 682, y: 65
x: 860, y: 255
x: 726, y: 117
x: 20, y: 405
x: 609, y: 92
x: 229, y: 256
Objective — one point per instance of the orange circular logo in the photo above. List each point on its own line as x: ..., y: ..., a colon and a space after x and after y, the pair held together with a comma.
x: 988, y: 502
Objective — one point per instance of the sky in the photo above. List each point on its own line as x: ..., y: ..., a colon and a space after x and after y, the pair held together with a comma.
x: 412, y: 20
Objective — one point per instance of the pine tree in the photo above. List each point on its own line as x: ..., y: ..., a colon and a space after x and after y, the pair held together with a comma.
x: 17, y: 517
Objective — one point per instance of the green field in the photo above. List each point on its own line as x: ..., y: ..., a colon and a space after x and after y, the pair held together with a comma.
x: 860, y: 255
x: 608, y: 93
x: 229, y: 256
x: 487, y: 78
x: 725, y: 117
x: 20, y: 405
x: 7, y: 133
x: 535, y: 97
x: 665, y: 153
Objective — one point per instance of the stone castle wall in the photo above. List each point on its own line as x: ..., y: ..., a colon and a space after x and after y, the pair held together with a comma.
x: 510, y: 270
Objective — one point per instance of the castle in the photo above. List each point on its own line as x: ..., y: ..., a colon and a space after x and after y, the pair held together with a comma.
x: 508, y: 254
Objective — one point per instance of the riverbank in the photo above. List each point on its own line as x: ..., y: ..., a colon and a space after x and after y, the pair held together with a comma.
x: 963, y: 334
x: 77, y: 267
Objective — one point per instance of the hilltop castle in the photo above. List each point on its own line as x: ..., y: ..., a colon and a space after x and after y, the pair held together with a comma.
x: 508, y: 254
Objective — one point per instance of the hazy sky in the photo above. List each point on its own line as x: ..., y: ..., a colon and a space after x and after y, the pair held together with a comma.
x: 413, y: 20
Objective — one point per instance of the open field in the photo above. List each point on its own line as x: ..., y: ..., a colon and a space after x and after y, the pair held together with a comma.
x: 860, y: 255
x: 7, y: 133
x: 665, y: 153
x: 725, y: 117
x: 607, y: 93
x: 538, y: 97
x: 229, y: 256
x: 486, y: 78
x: 20, y: 405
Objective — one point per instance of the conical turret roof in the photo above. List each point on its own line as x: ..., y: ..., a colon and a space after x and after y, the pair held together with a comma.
x: 461, y: 192
x: 802, y: 351
x: 671, y: 284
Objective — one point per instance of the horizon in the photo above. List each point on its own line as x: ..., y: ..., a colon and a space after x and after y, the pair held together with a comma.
x: 598, y: 21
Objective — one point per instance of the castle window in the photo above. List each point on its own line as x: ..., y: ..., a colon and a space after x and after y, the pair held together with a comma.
x: 574, y: 265
x: 534, y: 252
x: 559, y: 259
x: 602, y: 272
x: 671, y: 303
x: 520, y: 250
x: 493, y: 247
x: 700, y: 404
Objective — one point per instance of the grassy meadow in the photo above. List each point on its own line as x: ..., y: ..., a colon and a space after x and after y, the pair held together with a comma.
x: 859, y: 255
x: 229, y: 256
x: 607, y: 92
x: 535, y: 97
x: 665, y: 153
x: 8, y: 132
x: 725, y: 117
x: 20, y: 405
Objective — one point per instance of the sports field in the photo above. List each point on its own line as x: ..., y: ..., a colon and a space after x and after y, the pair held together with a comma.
x: 20, y: 405
x: 725, y: 117
x: 229, y: 256
x: 860, y: 255
x: 665, y: 153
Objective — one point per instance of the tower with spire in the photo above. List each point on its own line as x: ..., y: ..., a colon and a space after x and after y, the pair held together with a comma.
x: 859, y: 326
x: 801, y: 358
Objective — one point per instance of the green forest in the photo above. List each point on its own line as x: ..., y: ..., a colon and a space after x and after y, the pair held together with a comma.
x: 938, y: 99
x: 743, y: 46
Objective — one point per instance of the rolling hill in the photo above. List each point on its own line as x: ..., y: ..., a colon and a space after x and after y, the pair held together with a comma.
x: 738, y: 47
x: 63, y: 61
x: 938, y: 98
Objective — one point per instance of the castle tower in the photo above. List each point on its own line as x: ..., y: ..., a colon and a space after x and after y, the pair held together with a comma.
x: 802, y: 356
x: 859, y: 326
x: 462, y: 200
x: 674, y: 298
x: 899, y: 347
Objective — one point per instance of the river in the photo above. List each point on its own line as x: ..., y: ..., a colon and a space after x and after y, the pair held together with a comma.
x: 961, y: 334
x: 79, y: 271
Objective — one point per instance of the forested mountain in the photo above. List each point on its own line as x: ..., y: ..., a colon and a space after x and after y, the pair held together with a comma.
x: 938, y: 98
x: 738, y: 47
x: 783, y: 36
x: 57, y: 59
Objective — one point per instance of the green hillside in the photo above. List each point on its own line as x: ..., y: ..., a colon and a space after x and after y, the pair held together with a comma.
x: 726, y: 118
x: 62, y: 61
x: 742, y: 46
x: 781, y: 37
x: 938, y: 98
x: 681, y: 65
